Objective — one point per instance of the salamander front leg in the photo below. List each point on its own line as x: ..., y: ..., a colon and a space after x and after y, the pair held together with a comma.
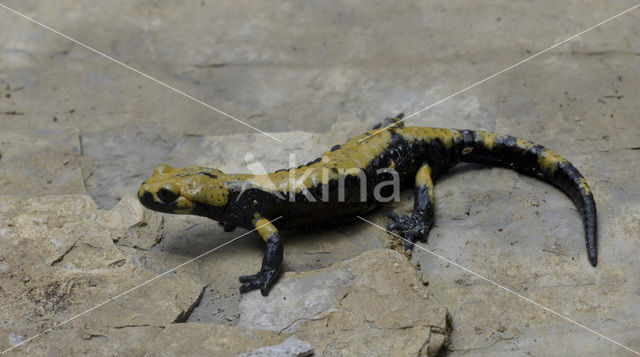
x: 417, y: 225
x: 271, y: 262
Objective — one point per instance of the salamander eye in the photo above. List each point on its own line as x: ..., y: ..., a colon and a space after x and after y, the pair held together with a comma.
x: 166, y: 195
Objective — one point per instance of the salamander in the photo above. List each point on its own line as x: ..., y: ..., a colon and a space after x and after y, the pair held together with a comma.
x: 354, y: 178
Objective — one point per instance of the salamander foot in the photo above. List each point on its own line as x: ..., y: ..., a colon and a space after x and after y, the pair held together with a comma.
x: 263, y: 280
x: 411, y: 228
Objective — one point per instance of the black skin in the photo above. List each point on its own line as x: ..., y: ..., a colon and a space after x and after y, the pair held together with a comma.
x: 271, y: 268
x: 417, y: 162
x: 227, y: 227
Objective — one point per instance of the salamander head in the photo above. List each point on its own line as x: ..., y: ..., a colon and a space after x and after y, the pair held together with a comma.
x: 190, y: 190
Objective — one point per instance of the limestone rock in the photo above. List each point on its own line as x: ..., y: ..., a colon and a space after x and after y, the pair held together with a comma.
x: 298, y: 148
x: 374, y: 303
x: 189, y: 339
x: 118, y: 168
x: 143, y: 227
x: 35, y: 164
x: 291, y: 347
x: 58, y: 259
x: 79, y: 341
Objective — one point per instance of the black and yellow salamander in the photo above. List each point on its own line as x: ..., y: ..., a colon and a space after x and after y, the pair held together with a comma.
x: 352, y: 179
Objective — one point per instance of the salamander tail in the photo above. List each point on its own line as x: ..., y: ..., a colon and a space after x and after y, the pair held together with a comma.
x: 535, y: 160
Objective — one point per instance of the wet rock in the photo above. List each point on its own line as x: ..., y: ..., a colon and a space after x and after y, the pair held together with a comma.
x: 374, y: 302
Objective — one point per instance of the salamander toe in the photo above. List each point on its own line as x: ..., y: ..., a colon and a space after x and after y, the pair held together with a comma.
x: 410, y: 228
x: 263, y: 280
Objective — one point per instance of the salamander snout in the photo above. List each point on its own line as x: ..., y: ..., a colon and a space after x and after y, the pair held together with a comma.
x: 165, y: 191
x: 188, y: 190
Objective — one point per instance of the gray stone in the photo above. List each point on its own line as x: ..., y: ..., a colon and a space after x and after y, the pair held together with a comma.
x: 189, y: 339
x: 41, y: 163
x: 247, y: 152
x: 59, y: 259
x: 117, y: 169
x: 301, y: 67
x: 374, y: 303
x: 143, y: 227
x: 291, y: 347
x: 102, y: 341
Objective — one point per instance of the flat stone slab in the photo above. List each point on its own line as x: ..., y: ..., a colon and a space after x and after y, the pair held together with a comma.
x: 60, y: 257
x: 189, y: 339
x: 41, y: 163
x: 291, y: 347
x: 373, y: 304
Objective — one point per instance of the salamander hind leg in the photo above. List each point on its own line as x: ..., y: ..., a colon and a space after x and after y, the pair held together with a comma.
x: 418, y: 225
x: 271, y: 262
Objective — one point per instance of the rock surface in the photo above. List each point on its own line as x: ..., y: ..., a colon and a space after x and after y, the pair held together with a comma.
x: 190, y: 339
x: 372, y: 304
x: 291, y: 347
x: 34, y: 164
x: 73, y: 122
x: 60, y: 257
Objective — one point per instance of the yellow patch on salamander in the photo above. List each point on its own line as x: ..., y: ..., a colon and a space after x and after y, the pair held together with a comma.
x: 584, y: 186
x: 350, y: 159
x: 467, y: 151
x: 265, y: 228
x: 488, y: 139
x: 416, y: 133
x: 524, y: 144
x: 549, y: 160
x: 424, y: 179
x: 178, y: 189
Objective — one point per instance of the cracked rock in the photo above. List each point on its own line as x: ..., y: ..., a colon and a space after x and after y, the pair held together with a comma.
x: 291, y: 347
x: 141, y: 228
x: 374, y: 302
x: 58, y: 259
x: 189, y: 339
